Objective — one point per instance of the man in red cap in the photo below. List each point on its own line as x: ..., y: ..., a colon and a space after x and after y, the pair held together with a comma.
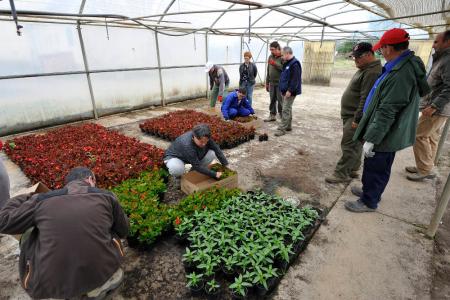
x: 435, y: 109
x: 390, y: 116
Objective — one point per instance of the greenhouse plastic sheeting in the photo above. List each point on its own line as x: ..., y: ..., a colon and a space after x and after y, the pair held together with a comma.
x: 29, y: 103
x: 44, y: 48
x: 122, y: 91
x: 183, y: 50
x: 183, y: 83
x: 125, y: 47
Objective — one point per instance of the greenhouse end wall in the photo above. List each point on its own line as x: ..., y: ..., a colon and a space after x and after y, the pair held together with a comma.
x: 44, y: 79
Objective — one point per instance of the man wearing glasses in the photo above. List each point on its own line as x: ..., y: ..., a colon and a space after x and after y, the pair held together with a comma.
x: 390, y: 116
x: 352, y: 103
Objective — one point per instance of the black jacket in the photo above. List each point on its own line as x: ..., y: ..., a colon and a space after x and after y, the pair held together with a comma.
x: 252, y: 73
x: 291, y: 78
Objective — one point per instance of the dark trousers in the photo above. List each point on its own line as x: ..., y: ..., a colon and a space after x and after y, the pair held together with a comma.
x: 376, y: 174
x: 276, y: 100
x: 350, y: 160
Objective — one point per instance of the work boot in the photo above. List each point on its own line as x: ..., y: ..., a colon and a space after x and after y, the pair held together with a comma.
x: 354, y: 174
x: 333, y: 179
x: 280, y: 133
x: 420, y: 177
x: 271, y: 118
x: 358, y: 206
x: 357, y: 191
x: 289, y: 129
x: 411, y: 170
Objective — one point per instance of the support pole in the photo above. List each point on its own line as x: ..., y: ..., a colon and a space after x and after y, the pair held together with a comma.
x: 267, y: 59
x: 241, y: 59
x: 86, y: 68
x: 158, y: 57
x: 207, y: 59
x: 440, y: 210
x: 442, y: 142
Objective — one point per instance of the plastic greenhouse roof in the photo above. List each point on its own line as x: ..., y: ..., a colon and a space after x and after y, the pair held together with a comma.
x: 288, y: 19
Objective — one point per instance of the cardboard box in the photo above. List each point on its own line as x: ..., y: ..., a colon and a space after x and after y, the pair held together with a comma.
x: 38, y: 188
x: 194, y: 181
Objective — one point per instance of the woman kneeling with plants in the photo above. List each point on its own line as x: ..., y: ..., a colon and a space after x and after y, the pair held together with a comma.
x: 196, y: 148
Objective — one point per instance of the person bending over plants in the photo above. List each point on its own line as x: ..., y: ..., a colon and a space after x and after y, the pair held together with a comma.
x: 70, y: 245
x: 195, y: 147
x: 237, y: 105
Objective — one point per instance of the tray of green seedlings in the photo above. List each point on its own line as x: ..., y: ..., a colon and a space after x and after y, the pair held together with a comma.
x: 225, y: 171
x: 247, y: 245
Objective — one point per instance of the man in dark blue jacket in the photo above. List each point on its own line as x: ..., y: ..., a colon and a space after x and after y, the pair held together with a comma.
x: 290, y: 86
x: 237, y: 105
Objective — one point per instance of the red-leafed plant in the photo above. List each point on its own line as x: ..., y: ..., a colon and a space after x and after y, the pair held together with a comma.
x: 112, y: 156
x: 172, y: 125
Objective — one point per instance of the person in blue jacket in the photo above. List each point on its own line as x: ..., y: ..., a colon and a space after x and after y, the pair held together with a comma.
x: 237, y: 105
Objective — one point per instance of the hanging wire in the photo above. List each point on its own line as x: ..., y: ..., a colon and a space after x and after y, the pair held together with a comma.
x: 107, y: 31
x: 14, y: 16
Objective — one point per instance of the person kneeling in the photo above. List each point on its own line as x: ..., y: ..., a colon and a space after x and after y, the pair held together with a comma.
x: 195, y: 148
x: 237, y: 105
x: 70, y: 245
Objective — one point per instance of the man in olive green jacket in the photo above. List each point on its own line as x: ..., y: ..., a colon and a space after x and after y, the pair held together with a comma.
x: 352, y: 103
x: 390, y: 116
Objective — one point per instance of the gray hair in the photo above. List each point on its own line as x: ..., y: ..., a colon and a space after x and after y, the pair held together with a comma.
x: 287, y: 50
x: 78, y: 173
x: 201, y: 130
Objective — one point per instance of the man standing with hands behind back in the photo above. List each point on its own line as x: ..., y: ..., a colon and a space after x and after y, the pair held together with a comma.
x: 274, y: 68
x: 352, y: 103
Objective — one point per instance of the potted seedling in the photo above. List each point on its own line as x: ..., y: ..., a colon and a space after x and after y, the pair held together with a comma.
x: 195, y: 283
x: 212, y: 289
x: 188, y: 259
x: 239, y: 288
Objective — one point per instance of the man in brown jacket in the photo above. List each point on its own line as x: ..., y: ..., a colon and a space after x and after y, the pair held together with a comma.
x: 435, y: 109
x: 70, y: 245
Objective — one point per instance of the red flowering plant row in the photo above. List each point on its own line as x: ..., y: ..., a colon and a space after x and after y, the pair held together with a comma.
x: 172, y: 125
x: 112, y: 156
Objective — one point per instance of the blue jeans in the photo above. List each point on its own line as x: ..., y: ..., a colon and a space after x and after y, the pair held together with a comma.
x: 249, y: 88
x: 376, y: 174
x: 240, y: 112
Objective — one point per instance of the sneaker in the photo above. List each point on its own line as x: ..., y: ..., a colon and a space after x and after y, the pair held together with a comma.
x: 420, y: 177
x: 357, y: 191
x: 411, y: 170
x: 280, y: 133
x: 358, y: 206
x: 272, y: 118
x: 333, y: 179
x: 354, y: 175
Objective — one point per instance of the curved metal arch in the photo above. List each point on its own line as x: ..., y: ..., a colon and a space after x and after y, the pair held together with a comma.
x: 221, y: 15
x: 263, y: 15
x: 166, y: 10
x: 308, y: 11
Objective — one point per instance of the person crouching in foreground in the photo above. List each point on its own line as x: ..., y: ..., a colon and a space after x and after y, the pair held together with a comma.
x: 70, y: 245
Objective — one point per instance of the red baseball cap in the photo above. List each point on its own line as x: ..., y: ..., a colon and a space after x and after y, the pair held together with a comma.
x: 392, y: 37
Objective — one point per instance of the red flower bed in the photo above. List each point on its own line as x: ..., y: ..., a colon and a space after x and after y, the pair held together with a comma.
x: 172, y: 125
x: 112, y: 156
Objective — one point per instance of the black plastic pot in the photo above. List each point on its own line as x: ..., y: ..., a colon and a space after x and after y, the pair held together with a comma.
x: 281, y: 265
x: 239, y: 296
x: 228, y: 274
x: 197, y: 291
x: 212, y: 295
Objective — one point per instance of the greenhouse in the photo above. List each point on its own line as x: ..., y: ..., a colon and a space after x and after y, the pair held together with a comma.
x: 186, y: 149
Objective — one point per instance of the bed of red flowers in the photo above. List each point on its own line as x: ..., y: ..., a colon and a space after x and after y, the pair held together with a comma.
x: 112, y: 156
x: 172, y: 125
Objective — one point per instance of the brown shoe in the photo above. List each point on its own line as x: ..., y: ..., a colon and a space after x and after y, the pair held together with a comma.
x: 354, y: 174
x: 334, y: 179
x: 271, y: 118
x: 411, y: 170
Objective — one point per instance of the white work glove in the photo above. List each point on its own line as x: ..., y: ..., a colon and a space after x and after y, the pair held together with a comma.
x: 368, y: 149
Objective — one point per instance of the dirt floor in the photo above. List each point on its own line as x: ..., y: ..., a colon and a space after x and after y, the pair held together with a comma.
x: 294, y: 167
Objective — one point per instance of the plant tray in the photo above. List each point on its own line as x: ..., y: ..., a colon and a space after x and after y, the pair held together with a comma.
x: 194, y: 181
